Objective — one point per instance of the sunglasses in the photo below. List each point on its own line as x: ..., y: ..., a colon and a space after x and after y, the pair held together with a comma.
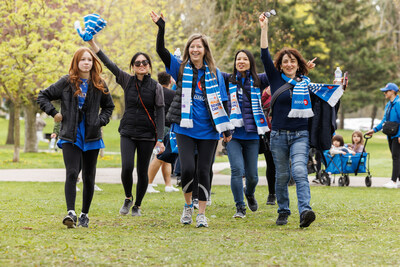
x: 138, y: 63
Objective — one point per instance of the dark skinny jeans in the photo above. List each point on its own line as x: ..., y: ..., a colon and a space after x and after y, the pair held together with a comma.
x: 395, y: 150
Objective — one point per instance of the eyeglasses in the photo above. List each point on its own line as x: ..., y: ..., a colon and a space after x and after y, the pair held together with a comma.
x: 138, y: 63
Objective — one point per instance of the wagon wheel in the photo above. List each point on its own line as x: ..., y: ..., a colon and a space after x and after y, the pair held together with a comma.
x: 346, y: 180
x: 325, y: 179
x: 341, y: 181
x: 368, y: 181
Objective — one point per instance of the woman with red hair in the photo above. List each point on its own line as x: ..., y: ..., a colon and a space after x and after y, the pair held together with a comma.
x: 86, y: 106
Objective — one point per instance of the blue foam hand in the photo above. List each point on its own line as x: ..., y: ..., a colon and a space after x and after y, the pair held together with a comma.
x: 93, y: 24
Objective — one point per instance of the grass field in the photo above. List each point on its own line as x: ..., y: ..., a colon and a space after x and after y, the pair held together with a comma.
x: 354, y: 227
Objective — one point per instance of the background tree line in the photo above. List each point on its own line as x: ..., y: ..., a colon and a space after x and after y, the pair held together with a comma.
x: 37, y: 42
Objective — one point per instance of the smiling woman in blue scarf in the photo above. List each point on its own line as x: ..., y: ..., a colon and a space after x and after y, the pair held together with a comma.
x: 247, y: 116
x: 198, y: 114
x: 291, y: 110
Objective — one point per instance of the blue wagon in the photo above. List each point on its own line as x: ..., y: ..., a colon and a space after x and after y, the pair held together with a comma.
x: 344, y: 165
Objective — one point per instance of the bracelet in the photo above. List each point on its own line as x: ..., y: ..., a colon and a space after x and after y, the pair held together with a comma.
x: 159, y: 140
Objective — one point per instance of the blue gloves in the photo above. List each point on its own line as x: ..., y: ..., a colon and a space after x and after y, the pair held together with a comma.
x: 93, y: 24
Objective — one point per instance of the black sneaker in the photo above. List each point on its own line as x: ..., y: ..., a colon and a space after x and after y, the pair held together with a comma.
x: 282, y: 219
x: 126, y: 206
x: 83, y: 221
x: 178, y: 181
x: 70, y: 220
x: 271, y: 199
x: 306, y: 218
x: 240, y: 212
x: 136, y: 211
x: 252, y: 202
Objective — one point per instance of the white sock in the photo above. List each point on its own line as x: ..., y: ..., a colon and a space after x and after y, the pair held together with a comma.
x: 72, y: 211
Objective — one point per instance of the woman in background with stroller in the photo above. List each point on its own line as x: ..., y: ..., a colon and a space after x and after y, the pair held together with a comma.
x: 392, y: 114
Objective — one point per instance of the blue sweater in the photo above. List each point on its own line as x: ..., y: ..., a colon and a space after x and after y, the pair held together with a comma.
x: 283, y: 103
x: 392, y: 109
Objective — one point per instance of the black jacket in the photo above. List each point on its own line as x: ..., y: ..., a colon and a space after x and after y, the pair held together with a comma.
x: 94, y: 101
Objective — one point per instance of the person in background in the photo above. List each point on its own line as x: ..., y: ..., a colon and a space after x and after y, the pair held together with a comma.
x: 197, y: 114
x: 338, y: 146
x: 246, y: 114
x: 270, y: 170
x: 357, y: 140
x: 392, y: 113
x: 86, y: 106
x: 142, y: 125
x: 40, y: 124
x: 165, y: 159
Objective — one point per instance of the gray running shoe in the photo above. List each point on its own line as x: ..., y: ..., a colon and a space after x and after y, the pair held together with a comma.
x: 240, y: 212
x: 136, y: 211
x: 195, y: 202
x: 70, y: 220
x: 201, y: 221
x: 83, y: 221
x: 187, y: 215
x: 125, y: 208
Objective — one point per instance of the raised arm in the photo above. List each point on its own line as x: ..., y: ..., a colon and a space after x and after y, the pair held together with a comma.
x: 264, y: 30
x: 160, y: 45
x: 122, y: 77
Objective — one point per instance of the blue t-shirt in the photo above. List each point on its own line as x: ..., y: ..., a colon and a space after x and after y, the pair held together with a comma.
x: 240, y: 132
x: 202, y: 125
x: 80, y: 134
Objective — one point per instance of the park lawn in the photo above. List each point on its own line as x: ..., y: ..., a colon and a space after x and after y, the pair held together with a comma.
x: 354, y: 226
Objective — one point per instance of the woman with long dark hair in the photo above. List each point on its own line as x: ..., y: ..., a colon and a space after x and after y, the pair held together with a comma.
x: 142, y: 125
x: 246, y: 114
x: 197, y: 114
x: 86, y: 106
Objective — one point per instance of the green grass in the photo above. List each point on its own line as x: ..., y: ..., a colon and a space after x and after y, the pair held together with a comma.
x: 354, y: 227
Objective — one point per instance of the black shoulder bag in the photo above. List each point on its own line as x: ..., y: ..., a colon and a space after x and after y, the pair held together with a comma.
x: 390, y: 128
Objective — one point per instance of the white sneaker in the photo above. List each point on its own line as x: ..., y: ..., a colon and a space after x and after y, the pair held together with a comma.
x: 169, y: 189
x: 150, y: 189
x: 96, y: 188
x: 154, y: 185
x: 390, y: 184
x: 398, y: 184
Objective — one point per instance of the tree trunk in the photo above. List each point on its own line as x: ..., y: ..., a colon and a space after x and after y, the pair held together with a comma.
x: 31, y: 142
x: 10, y: 132
x: 16, y: 132
x: 373, y: 115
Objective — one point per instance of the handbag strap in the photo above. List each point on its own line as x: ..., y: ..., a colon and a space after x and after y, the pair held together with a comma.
x: 141, y: 101
x: 278, y: 92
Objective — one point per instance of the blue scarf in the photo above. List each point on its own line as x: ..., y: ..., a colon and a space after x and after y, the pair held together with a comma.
x: 301, y: 102
x: 93, y: 24
x: 218, y: 113
x: 236, y: 114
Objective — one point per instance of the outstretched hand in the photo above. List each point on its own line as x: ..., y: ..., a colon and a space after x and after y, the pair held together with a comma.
x: 155, y: 17
x: 263, y: 21
x: 311, y: 64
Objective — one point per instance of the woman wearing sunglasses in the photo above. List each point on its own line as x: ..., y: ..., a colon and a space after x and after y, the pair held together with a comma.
x: 197, y: 114
x: 142, y: 125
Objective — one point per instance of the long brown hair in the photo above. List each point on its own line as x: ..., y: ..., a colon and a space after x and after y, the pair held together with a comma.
x: 291, y: 52
x: 208, y: 58
x: 95, y: 72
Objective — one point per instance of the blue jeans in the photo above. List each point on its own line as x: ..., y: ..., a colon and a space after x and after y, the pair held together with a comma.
x: 290, y: 152
x: 243, y: 158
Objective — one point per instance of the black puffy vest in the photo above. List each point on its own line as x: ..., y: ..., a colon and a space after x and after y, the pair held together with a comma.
x: 135, y: 122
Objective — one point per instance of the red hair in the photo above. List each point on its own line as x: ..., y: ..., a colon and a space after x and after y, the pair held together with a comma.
x: 95, y: 72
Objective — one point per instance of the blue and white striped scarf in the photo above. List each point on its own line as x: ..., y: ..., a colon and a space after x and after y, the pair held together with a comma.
x: 301, y: 102
x: 93, y: 24
x: 236, y: 114
x: 218, y: 113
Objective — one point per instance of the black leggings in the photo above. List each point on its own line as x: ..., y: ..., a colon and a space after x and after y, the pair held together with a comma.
x: 144, y: 151
x: 395, y: 150
x: 270, y: 172
x: 205, y: 158
x: 75, y: 160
